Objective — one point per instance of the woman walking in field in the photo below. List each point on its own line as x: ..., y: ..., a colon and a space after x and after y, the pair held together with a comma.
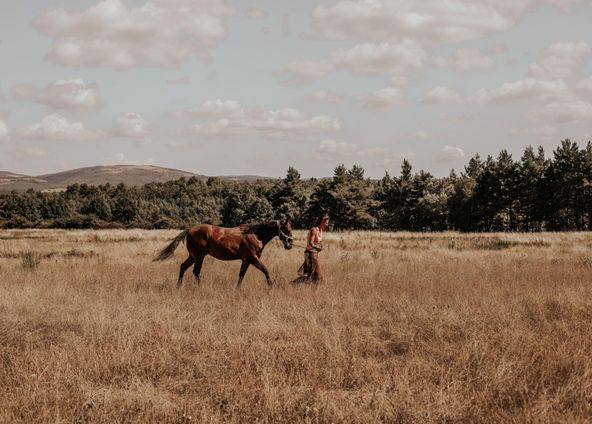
x: 310, y: 270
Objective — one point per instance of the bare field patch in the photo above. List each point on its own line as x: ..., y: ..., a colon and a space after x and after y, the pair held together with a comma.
x: 407, y: 327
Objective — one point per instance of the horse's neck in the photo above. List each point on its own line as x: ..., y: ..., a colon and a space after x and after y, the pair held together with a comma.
x: 266, y: 235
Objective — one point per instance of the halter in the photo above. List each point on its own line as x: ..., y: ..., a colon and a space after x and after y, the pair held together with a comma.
x: 287, y: 237
x: 282, y: 234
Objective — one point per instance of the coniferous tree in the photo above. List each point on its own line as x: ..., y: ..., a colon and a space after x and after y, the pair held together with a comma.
x: 462, y: 204
x: 531, y: 172
x: 484, y: 198
x: 565, y: 181
x: 290, y: 198
x: 532, y: 195
x: 347, y: 197
x: 387, y: 200
x: 429, y: 198
x: 587, y: 184
x: 505, y: 187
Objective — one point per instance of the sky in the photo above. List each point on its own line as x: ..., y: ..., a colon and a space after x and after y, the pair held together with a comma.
x: 222, y: 87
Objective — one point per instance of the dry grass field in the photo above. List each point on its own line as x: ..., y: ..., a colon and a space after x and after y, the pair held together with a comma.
x: 406, y: 328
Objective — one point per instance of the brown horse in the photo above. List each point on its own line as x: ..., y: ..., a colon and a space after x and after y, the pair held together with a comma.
x: 245, y: 242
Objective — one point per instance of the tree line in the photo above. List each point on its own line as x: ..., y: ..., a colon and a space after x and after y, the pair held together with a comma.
x: 534, y: 193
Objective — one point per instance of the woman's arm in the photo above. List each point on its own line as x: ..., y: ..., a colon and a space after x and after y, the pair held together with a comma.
x: 311, y: 238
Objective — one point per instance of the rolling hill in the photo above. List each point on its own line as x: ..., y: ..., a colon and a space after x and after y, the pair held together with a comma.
x: 133, y: 175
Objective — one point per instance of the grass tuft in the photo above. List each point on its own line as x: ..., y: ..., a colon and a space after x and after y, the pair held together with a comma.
x: 29, y: 261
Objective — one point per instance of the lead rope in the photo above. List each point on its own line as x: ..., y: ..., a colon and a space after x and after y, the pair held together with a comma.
x: 287, y: 237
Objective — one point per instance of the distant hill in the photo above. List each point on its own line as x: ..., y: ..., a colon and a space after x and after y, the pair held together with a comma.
x: 15, y: 181
x: 132, y: 175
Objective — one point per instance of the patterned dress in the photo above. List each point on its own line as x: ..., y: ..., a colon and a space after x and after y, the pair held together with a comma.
x: 310, y: 270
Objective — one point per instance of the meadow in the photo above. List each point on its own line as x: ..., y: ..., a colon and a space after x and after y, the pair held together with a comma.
x: 406, y: 327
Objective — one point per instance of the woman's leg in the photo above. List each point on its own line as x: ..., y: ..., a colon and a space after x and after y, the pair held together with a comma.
x: 316, y: 274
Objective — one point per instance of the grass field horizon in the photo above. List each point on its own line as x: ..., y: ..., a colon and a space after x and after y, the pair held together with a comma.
x: 406, y: 327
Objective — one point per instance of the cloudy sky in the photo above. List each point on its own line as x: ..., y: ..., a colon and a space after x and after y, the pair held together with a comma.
x: 222, y: 87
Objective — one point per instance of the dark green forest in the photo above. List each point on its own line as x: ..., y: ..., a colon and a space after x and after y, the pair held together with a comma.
x: 532, y: 193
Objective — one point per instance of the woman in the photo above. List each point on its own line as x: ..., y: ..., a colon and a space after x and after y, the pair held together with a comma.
x: 310, y: 269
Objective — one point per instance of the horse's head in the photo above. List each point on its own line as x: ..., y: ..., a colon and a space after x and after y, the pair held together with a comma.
x: 285, y: 233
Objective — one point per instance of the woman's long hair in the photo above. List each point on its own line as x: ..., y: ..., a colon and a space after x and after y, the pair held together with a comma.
x: 320, y: 219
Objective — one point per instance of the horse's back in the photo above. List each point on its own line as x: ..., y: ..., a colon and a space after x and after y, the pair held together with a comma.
x: 221, y: 242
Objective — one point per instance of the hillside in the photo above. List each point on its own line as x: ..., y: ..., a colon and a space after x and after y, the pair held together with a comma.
x: 133, y: 175
x: 12, y: 181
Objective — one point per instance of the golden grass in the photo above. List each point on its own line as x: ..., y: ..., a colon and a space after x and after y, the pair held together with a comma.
x: 406, y: 328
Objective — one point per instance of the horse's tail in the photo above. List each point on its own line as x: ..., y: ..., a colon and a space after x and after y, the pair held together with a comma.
x: 168, y: 251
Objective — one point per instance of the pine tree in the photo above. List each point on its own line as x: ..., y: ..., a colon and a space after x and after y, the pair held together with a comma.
x: 506, y: 178
x: 347, y: 197
x: 531, y: 172
x: 565, y: 181
x: 587, y: 184
x: 289, y: 198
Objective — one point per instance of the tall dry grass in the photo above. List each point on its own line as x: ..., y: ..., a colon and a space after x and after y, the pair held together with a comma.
x: 406, y: 328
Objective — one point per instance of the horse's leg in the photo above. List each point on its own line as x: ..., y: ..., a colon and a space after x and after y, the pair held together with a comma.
x: 184, y: 267
x: 197, y: 269
x: 254, y: 260
x: 241, y: 274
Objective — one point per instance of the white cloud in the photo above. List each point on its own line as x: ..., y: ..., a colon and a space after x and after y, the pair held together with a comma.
x: 228, y: 118
x: 383, y: 58
x: 585, y: 84
x: 561, y: 60
x: 362, y: 59
x: 72, y: 94
x: 382, y: 99
x: 337, y: 147
x: 422, y: 134
x: 564, y: 5
x: 119, y: 157
x: 325, y: 96
x: 567, y: 111
x: 302, y: 71
x: 431, y: 21
x: 467, y: 59
x: 35, y: 152
x: 55, y: 128
x: 159, y: 33
x: 175, y: 143
x: 27, y: 92
x: 131, y: 125
x: 546, y: 131
x: 185, y: 80
x: 28, y: 153
x: 442, y: 95
x: 332, y: 150
x: 3, y: 131
x: 256, y: 13
x: 450, y: 154
x: 399, y: 81
x: 218, y: 108
x: 122, y: 159
x: 530, y: 88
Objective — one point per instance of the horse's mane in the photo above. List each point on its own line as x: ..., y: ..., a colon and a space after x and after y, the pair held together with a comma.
x: 256, y: 228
